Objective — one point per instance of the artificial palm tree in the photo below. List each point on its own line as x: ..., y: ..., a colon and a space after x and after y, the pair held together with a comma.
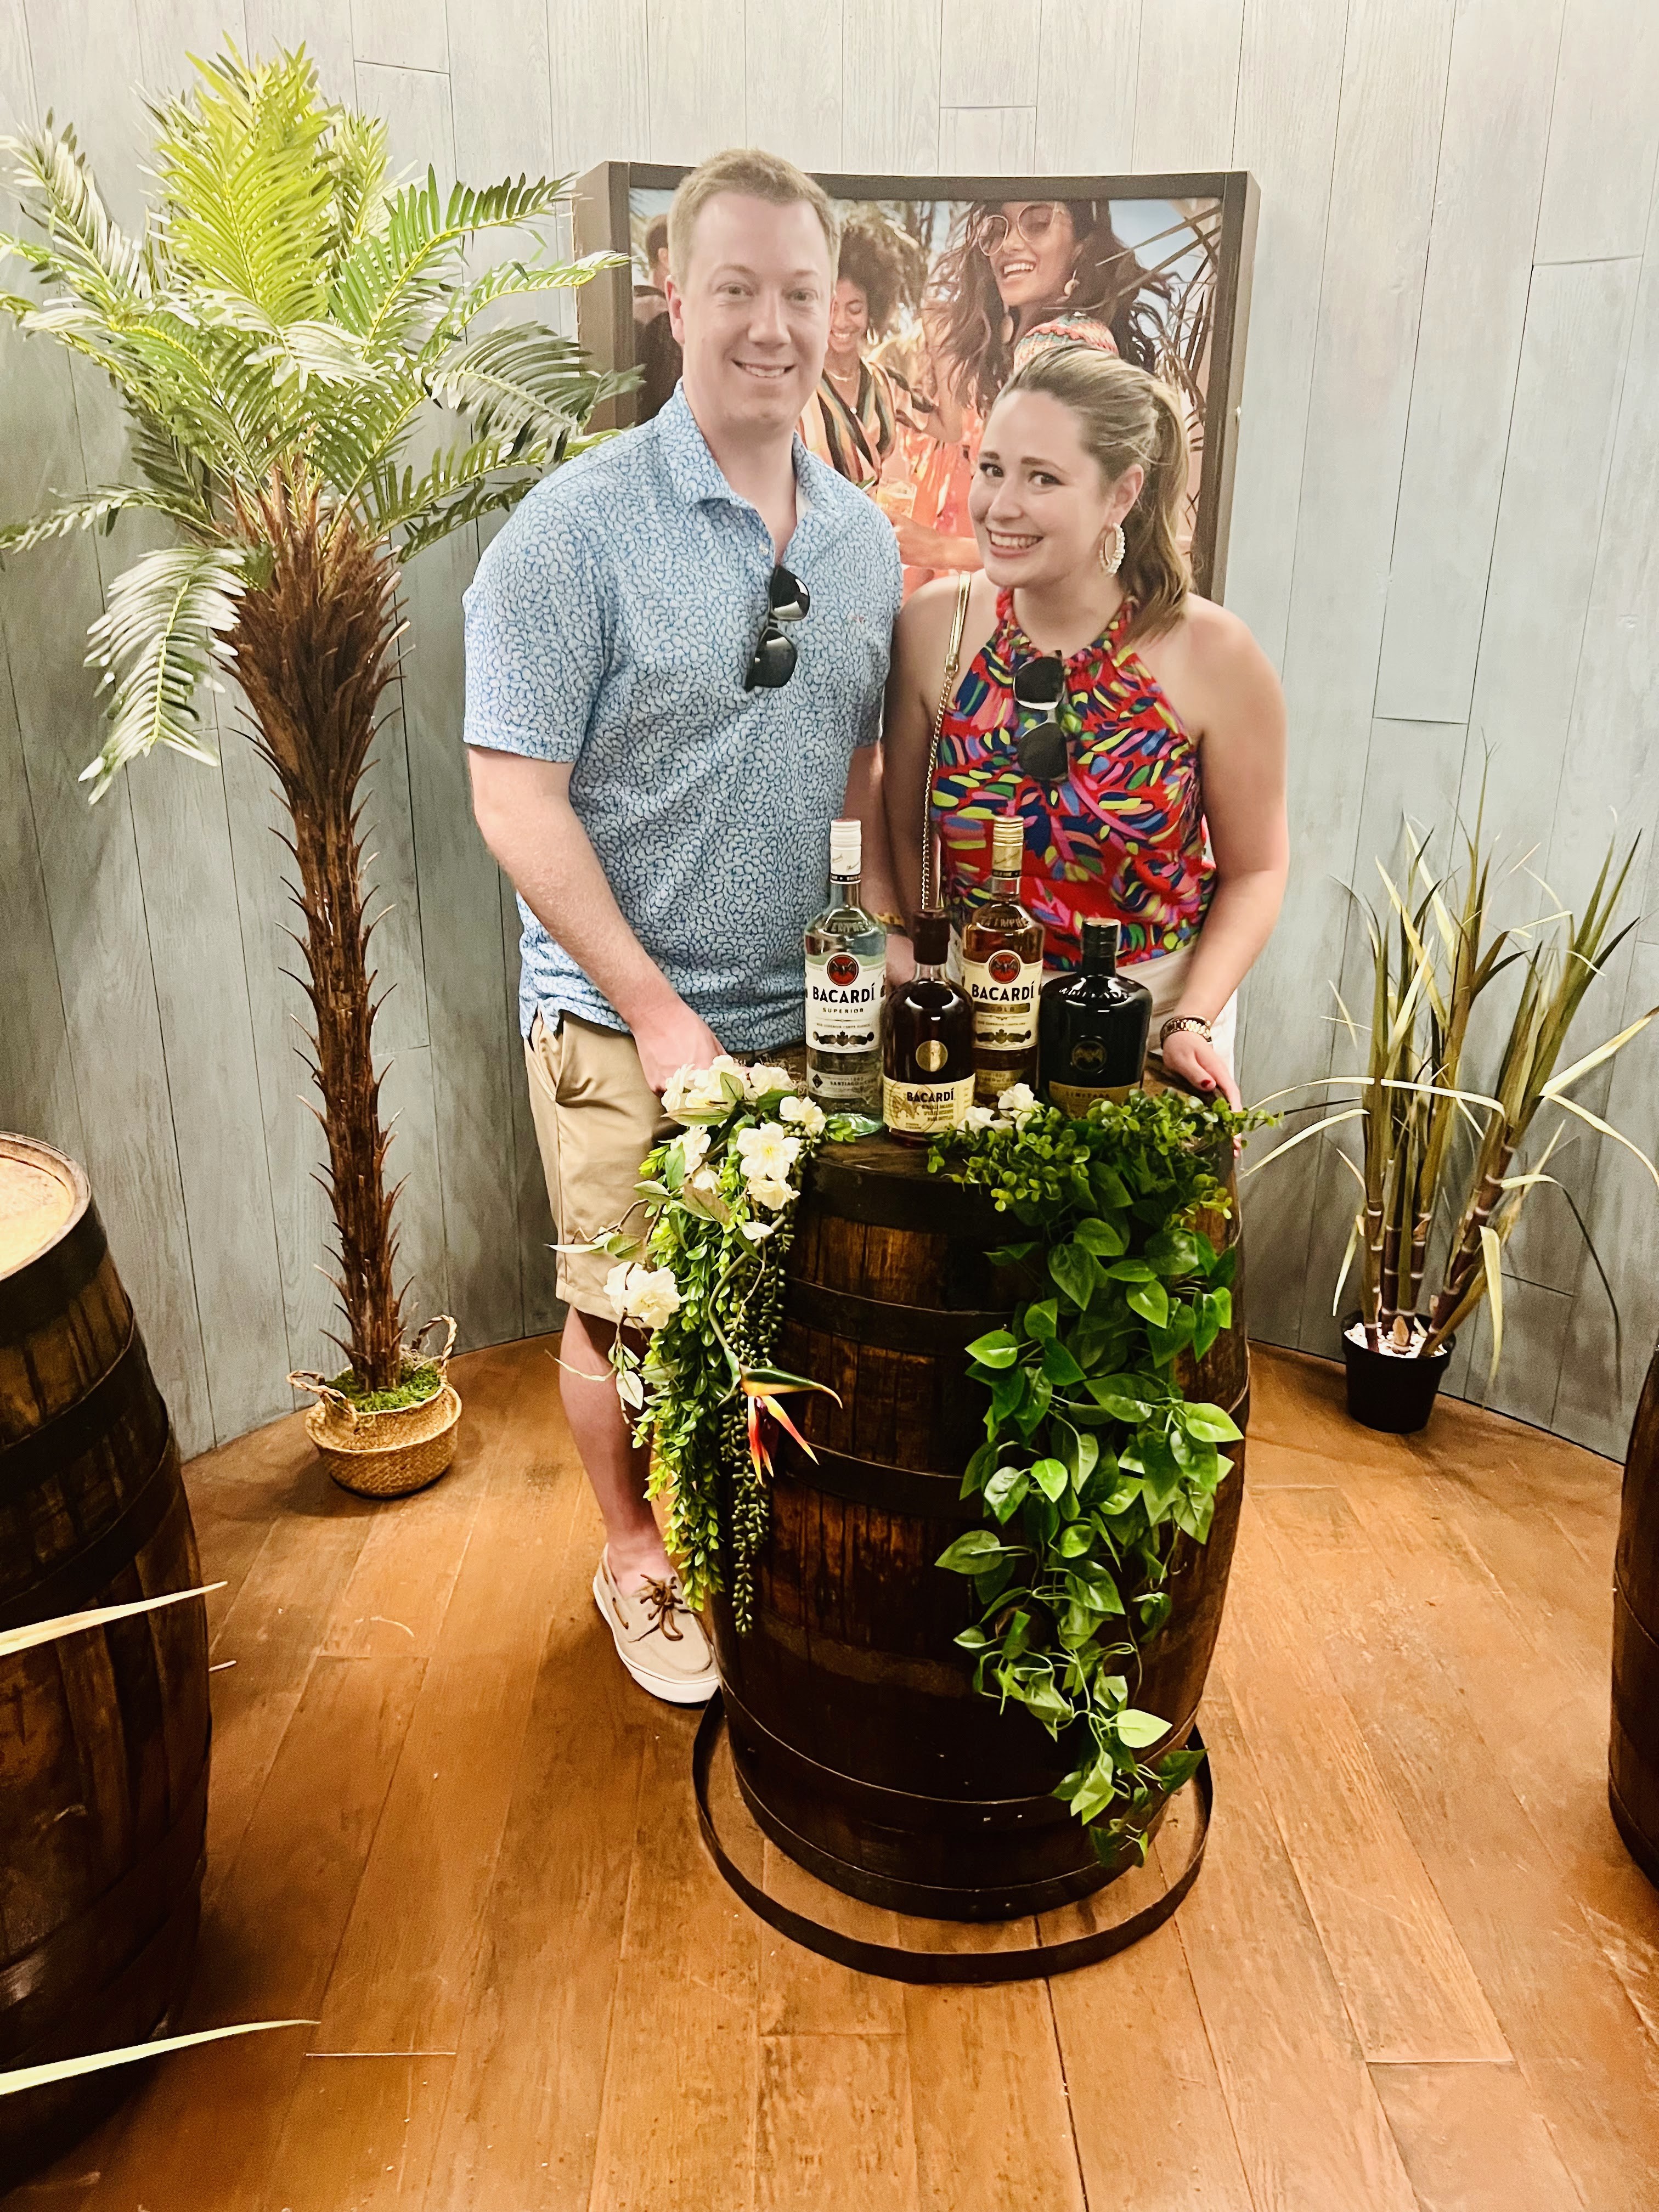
x: 286, y: 338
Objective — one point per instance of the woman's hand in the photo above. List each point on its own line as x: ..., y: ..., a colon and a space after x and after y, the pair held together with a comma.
x: 1189, y: 1054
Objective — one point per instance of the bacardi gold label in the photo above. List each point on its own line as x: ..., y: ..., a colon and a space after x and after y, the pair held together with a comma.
x: 921, y: 1110
x: 1004, y: 989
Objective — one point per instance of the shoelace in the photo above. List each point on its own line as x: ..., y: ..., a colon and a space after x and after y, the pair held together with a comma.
x: 663, y: 1600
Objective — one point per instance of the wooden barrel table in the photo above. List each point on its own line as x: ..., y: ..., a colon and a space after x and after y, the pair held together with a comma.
x: 859, y: 1742
x: 103, y: 1733
x: 1633, y: 1751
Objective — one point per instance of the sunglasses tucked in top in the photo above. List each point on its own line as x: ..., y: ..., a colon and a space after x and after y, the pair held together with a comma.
x: 1040, y: 745
x: 772, y: 663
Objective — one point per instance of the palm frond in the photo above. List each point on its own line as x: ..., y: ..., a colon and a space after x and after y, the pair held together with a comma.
x: 162, y: 632
x: 395, y: 277
x: 510, y: 280
x: 87, y: 251
x: 355, y: 155
x: 523, y: 378
x: 248, y: 197
x: 93, y: 510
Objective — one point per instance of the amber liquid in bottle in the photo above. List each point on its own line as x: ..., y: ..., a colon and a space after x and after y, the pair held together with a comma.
x: 1002, y: 973
x: 928, y: 1044
x: 1092, y: 1027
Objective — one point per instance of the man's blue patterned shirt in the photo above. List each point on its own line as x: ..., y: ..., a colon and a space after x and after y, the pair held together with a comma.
x: 609, y: 625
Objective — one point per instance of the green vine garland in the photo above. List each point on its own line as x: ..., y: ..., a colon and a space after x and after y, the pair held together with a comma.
x: 1094, y: 1463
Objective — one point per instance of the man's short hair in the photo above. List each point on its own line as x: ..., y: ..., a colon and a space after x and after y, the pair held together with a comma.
x: 656, y: 237
x: 756, y: 176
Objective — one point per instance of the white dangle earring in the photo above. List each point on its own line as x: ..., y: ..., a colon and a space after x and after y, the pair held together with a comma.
x: 1112, y: 561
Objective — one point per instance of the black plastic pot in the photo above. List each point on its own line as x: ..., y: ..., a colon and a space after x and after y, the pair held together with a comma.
x: 1389, y: 1392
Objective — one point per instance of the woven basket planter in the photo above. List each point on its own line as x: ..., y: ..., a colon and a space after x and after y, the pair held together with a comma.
x: 391, y: 1453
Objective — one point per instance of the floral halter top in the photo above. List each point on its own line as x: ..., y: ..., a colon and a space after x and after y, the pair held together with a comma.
x: 1121, y: 839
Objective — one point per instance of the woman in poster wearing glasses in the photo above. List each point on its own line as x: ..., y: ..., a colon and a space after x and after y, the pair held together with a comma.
x: 1138, y: 730
x: 1027, y: 274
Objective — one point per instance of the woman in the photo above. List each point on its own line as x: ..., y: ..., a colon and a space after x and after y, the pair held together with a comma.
x: 1173, y: 718
x: 1027, y: 275
x: 851, y: 421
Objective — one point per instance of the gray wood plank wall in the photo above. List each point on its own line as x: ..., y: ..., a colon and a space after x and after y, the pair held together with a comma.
x: 1444, y: 535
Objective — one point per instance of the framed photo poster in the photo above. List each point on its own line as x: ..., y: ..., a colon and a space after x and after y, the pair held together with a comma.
x: 946, y: 284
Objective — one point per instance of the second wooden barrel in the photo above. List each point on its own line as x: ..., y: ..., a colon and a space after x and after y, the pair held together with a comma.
x: 857, y: 1741
x: 1633, y: 1751
x: 103, y: 1733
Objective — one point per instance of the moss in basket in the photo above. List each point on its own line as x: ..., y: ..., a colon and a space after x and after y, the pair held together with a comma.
x: 419, y: 1383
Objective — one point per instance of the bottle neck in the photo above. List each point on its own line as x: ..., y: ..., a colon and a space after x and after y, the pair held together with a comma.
x: 930, y: 971
x: 1099, y: 959
x: 1005, y: 886
x: 845, y: 891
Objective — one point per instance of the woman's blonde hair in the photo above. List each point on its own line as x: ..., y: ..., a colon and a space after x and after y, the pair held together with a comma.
x: 1125, y: 416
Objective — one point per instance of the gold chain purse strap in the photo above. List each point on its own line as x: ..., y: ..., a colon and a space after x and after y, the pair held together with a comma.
x: 958, y: 623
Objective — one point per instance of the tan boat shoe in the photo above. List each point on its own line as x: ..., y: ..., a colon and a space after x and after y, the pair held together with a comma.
x: 659, y: 1639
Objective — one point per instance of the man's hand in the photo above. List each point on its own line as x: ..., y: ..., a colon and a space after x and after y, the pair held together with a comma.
x: 673, y: 1038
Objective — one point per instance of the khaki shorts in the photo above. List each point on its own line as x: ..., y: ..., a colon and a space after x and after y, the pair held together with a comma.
x: 596, y: 1119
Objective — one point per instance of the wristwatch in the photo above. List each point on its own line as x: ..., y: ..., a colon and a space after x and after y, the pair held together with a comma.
x: 1184, y: 1022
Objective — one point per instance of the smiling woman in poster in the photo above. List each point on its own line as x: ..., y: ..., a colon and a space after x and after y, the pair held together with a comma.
x: 1160, y: 802
x: 1027, y: 274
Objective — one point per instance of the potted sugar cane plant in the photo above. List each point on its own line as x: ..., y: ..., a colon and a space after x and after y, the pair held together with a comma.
x: 315, y: 390
x: 1438, y: 1166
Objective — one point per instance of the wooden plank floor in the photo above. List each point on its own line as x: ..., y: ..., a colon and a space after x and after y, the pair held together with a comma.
x: 1418, y: 1970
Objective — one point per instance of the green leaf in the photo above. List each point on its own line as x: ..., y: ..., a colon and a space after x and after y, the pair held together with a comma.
x: 1138, y: 1729
x: 1131, y: 1270
x: 161, y: 633
x: 1151, y: 1301
x: 1102, y: 1237
x: 1042, y: 1320
x: 979, y: 1467
x: 1177, y: 1768
x: 1051, y: 1477
x: 972, y: 1554
x: 1005, y: 1489
x: 1008, y: 1394
x: 1058, y: 1366
x: 1076, y: 1538
x: 996, y: 1350
x: 1075, y: 1270
x: 1010, y: 1255
x: 1209, y: 1424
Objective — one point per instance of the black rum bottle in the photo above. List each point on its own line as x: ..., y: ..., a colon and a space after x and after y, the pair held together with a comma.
x: 1092, y: 1027
x: 927, y: 1049
x: 1002, y: 971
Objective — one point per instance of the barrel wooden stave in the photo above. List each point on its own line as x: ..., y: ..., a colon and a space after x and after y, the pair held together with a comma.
x: 858, y: 1739
x: 103, y: 1734
x: 1633, y: 1747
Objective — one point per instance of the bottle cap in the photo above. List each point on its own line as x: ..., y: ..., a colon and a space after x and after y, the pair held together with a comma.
x: 1007, y: 845
x: 1100, y: 942
x: 846, y: 859
x: 931, y: 939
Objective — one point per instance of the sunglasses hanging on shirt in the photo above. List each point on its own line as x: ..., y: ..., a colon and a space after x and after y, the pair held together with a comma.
x: 1041, y: 745
x: 772, y: 663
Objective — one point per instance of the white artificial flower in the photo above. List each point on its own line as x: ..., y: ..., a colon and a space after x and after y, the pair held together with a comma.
x: 653, y: 1296
x: 769, y: 1153
x: 756, y: 1232
x: 705, y: 1182
x: 805, y: 1111
x: 760, y: 1079
x: 1017, y: 1098
x: 767, y: 1192
x: 978, y: 1117
x: 692, y: 1145
x: 704, y: 1094
x: 616, y: 1289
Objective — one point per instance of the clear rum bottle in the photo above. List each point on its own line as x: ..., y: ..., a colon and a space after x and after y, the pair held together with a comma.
x: 846, y: 971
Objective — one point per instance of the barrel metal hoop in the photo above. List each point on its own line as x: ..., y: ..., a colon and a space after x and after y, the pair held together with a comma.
x: 905, y: 1808
x: 28, y: 1460
x: 897, y: 1963
x: 933, y: 1205
x: 136, y: 1904
x: 77, y: 1581
x: 48, y: 1284
x: 878, y: 1483
x: 890, y: 1327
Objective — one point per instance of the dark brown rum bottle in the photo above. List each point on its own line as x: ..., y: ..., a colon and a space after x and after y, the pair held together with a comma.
x: 1092, y: 1027
x: 1002, y: 972
x: 927, y: 1046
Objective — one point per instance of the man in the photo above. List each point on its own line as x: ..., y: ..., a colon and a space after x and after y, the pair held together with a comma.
x: 655, y: 351
x: 675, y: 651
